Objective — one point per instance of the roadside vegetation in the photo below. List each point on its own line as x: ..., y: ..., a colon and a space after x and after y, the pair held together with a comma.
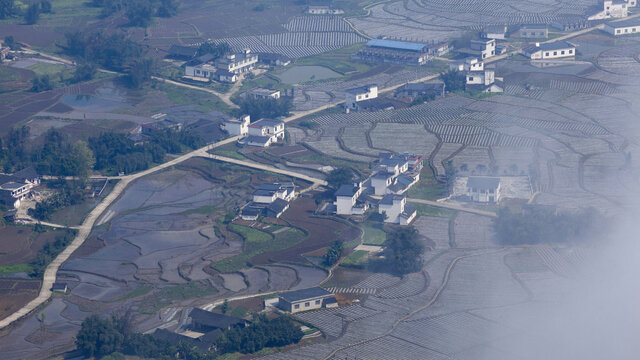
x: 402, y: 253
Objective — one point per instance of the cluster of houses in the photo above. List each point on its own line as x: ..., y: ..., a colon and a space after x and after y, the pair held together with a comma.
x: 393, y: 175
x: 204, y: 327
x: 478, y: 77
x: 17, y: 187
x: 223, y: 69
x: 269, y: 200
x: 400, y: 52
x: 261, y: 133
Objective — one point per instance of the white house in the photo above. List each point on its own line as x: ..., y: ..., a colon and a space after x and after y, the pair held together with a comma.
x: 260, y: 93
x: 625, y: 27
x: 12, y: 193
x: 395, y: 174
x: 268, y: 193
x: 237, y: 127
x: 554, y: 50
x: 533, y: 31
x: 486, y: 48
x: 355, y: 95
x: 396, y: 209
x: 468, y: 64
x: 613, y: 9
x: 273, y: 129
x: 306, y: 299
x: 226, y: 76
x: 483, y: 189
x: 323, y: 10
x: 484, y: 81
x: 204, y: 71
x: 347, y: 200
x: 237, y: 63
x: 494, y: 32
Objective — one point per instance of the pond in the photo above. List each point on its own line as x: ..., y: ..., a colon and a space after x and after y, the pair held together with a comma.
x: 300, y: 74
x: 105, y: 98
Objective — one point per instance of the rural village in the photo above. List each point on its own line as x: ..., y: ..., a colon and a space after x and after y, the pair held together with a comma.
x: 299, y: 179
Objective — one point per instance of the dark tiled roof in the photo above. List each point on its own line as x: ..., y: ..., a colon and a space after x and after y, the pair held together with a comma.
x: 257, y: 139
x: 278, y: 206
x: 267, y: 122
x: 389, y: 198
x: 28, y: 173
x: 624, y: 23
x: 360, y: 89
x: 251, y: 211
x: 483, y: 182
x: 215, y: 320
x: 303, y: 294
x: 10, y: 186
x: 559, y: 45
x: 183, y: 51
x: 346, y: 190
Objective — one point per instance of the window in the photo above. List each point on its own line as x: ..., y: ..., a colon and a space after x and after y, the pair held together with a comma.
x: 470, y: 78
x: 546, y: 54
x: 317, y: 302
x: 562, y: 52
x: 555, y: 53
x: 618, y: 31
x: 307, y: 304
x: 296, y: 306
x: 570, y: 51
x: 626, y: 30
x: 633, y: 30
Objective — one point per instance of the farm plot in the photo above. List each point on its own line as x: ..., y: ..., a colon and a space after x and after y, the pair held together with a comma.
x: 472, y: 161
x: 14, y: 293
x: 473, y: 231
x: 435, y: 229
x: 389, y: 348
x: 444, y: 153
x: 354, y: 138
x: 603, y: 174
x: 329, y: 145
x: 512, y: 161
x: 402, y: 138
x: 621, y: 60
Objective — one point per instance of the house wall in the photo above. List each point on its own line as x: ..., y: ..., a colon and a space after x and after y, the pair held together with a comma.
x: 407, y: 221
x: 534, y: 33
x: 237, y: 128
x: 344, y: 205
x: 380, y: 185
x: 627, y: 30
x: 393, y: 211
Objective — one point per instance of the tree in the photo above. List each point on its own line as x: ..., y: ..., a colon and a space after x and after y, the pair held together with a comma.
x: 41, y: 83
x: 7, y: 8
x: 214, y: 49
x: 225, y: 306
x: 263, y: 108
x: 84, y: 72
x: 45, y: 6
x: 139, y: 12
x: 98, y: 337
x: 402, y: 254
x: 454, y: 80
x: 340, y: 176
x: 139, y: 72
x: 32, y: 14
x: 333, y: 253
x: 167, y: 8
x: 83, y: 159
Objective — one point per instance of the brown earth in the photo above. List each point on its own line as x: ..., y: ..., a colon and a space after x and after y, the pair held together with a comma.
x: 19, y: 244
x: 14, y: 293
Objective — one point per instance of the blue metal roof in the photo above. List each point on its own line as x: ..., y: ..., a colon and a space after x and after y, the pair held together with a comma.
x: 398, y: 45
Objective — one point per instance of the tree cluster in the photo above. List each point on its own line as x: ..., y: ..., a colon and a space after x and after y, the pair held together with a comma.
x: 67, y: 196
x: 260, y: 334
x: 340, y: 176
x: 402, y: 253
x: 454, y: 80
x: 49, y: 252
x: 334, y: 253
x: 217, y: 50
x: 263, y: 108
x: 139, y: 12
x: 41, y: 83
x: 538, y: 227
x: 422, y: 99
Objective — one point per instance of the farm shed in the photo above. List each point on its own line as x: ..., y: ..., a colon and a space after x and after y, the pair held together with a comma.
x: 306, y: 299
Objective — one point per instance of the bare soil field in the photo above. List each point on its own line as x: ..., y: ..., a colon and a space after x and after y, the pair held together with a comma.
x: 20, y: 244
x: 16, y: 292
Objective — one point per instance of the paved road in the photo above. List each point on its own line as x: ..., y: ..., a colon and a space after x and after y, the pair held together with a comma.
x: 453, y: 207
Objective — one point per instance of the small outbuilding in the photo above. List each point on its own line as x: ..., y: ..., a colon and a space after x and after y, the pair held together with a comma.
x: 206, y: 321
x: 306, y: 299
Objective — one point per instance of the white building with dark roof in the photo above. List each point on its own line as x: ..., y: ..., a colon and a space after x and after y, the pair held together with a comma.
x: 494, y: 32
x: 484, y: 48
x: 554, y: 50
x: 323, y: 10
x: 534, y: 31
x: 306, y: 299
x: 361, y: 93
x: 483, y: 189
x: 395, y: 174
x: 272, y: 129
x: 238, y: 127
x: 625, y: 27
x: 237, y: 63
x: 613, y: 9
x: 347, y: 200
x: 396, y: 209
x: 261, y: 93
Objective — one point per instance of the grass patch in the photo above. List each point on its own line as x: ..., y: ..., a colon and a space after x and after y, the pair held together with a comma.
x: 230, y: 153
x: 373, y: 233
x: 357, y: 259
x: 167, y: 295
x: 17, y: 268
x: 7, y: 74
x: 428, y: 188
x: 428, y: 210
x: 257, y: 242
x: 239, y: 311
x: 183, y: 96
x: 338, y: 60
x: 143, y: 290
x: 47, y: 69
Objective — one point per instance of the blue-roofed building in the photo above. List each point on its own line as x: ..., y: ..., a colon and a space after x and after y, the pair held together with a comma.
x: 395, y: 52
x: 306, y: 299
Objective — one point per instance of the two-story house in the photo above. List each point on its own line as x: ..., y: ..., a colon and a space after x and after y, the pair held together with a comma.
x: 347, y: 200
x: 362, y: 93
x: 396, y: 210
x: 237, y: 63
x: 483, y: 189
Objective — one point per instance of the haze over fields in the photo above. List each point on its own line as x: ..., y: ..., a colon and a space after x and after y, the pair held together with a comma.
x: 330, y: 179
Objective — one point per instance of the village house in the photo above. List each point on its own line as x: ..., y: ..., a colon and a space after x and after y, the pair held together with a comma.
x: 483, y: 81
x: 323, y: 10
x: 161, y: 125
x: 396, y: 210
x: 269, y: 200
x: 483, y: 48
x: 412, y: 91
x: 483, y: 189
x: 347, y: 202
x: 204, y: 71
x: 182, y: 52
x: 238, y: 127
x: 60, y: 287
x: 613, y: 9
x: 395, y: 174
x: 533, y: 31
x: 468, y: 64
x: 16, y: 187
x: 306, y: 299
x: 261, y: 93
x: 273, y: 59
x: 268, y: 127
x: 204, y: 342
x: 440, y: 49
x: 494, y: 32
x: 394, y: 52
x: 356, y: 95
x: 268, y: 193
x: 625, y: 27
x: 555, y: 50
x: 237, y: 63
x: 206, y: 321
